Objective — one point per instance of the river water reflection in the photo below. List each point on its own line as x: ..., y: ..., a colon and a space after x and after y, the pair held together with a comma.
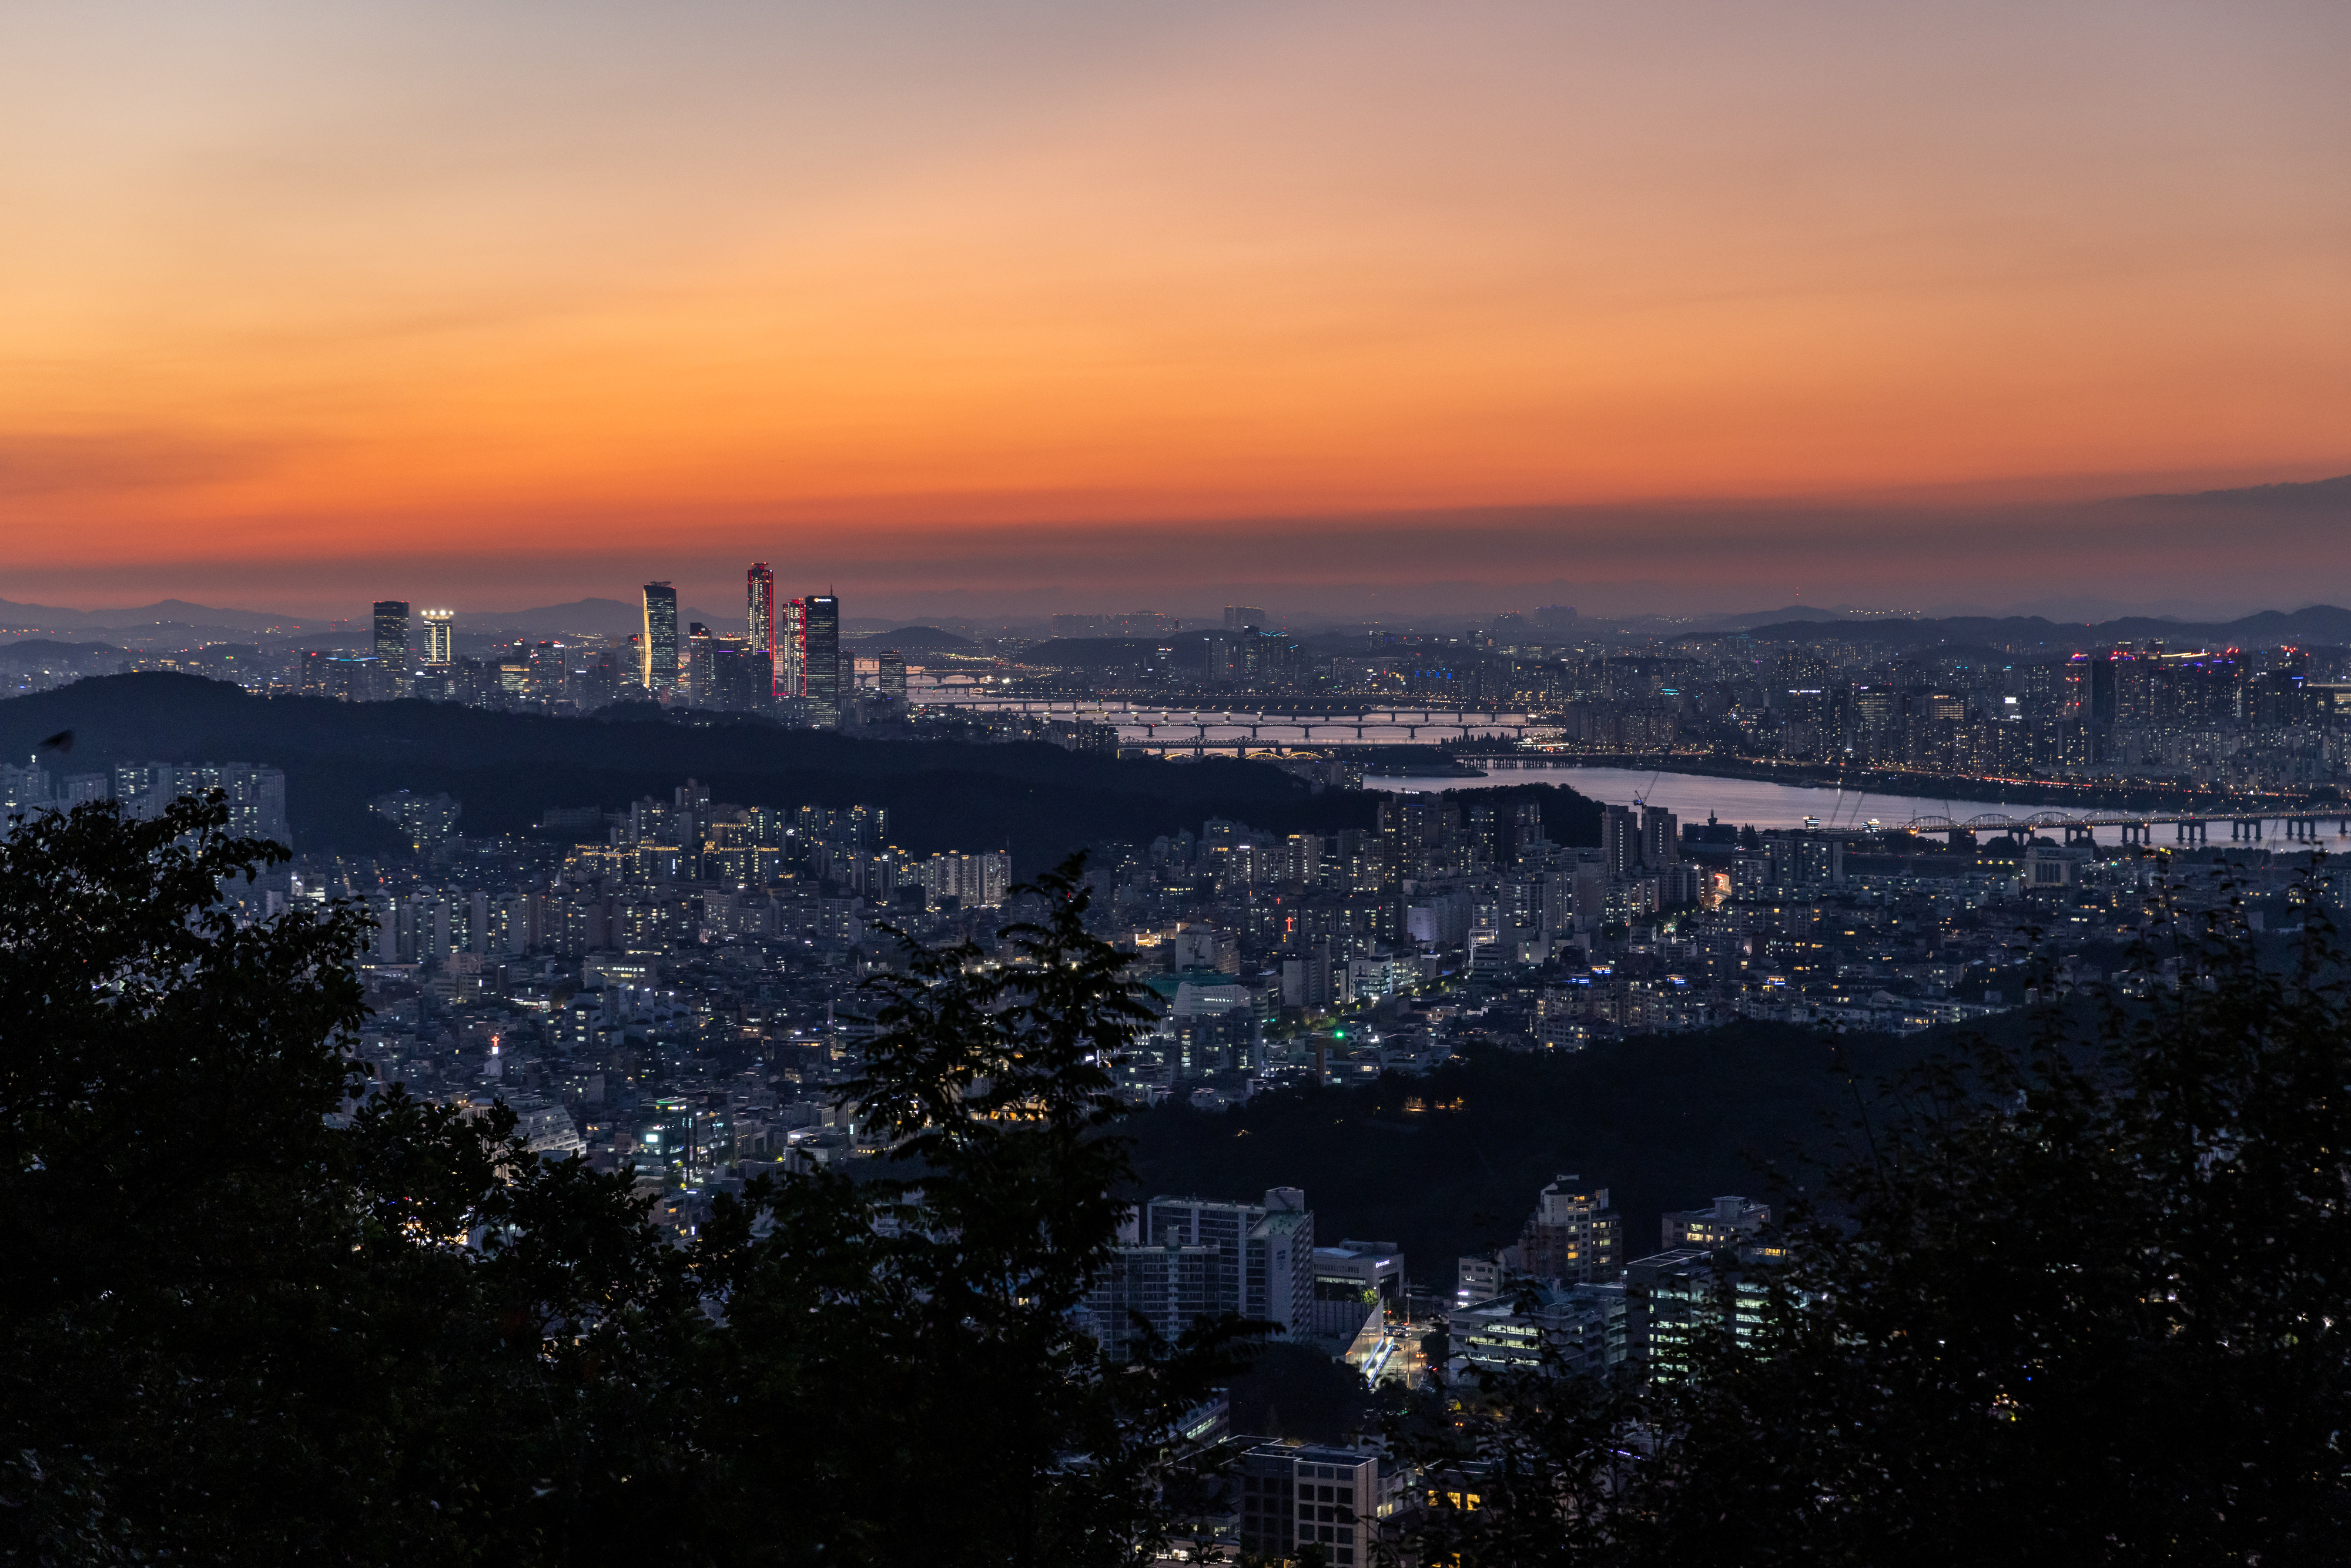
x: 1758, y: 803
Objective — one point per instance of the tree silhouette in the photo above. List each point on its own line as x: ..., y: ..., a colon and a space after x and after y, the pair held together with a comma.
x: 2082, y: 1300
x: 260, y: 1312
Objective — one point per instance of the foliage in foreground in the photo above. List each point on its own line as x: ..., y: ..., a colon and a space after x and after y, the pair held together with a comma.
x: 2084, y: 1302
x: 258, y: 1313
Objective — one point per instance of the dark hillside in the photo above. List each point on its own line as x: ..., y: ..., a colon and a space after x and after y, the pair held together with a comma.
x: 1038, y: 800
x: 1665, y: 1123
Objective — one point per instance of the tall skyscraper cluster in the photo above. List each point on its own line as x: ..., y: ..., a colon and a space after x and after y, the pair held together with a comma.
x: 798, y: 638
x: 788, y: 660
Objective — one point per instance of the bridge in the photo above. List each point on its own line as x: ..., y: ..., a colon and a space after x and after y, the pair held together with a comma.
x: 2189, y: 827
x: 1186, y: 730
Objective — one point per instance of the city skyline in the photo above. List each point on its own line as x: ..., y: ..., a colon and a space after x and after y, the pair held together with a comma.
x: 996, y: 298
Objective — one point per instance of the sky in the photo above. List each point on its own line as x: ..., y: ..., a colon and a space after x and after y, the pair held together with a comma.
x: 1695, y: 304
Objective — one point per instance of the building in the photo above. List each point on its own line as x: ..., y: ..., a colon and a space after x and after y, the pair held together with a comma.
x: 392, y: 645
x: 1573, y: 1236
x: 1188, y: 1257
x: 1476, y: 1279
x: 657, y: 666
x: 1543, y: 1329
x: 1244, y: 618
x: 973, y: 880
x: 759, y: 611
x: 1730, y: 1222
x: 1340, y: 1500
x: 822, y: 663
x: 1354, y: 1282
x: 698, y: 667
x: 791, y: 650
x: 1797, y: 859
x: 439, y: 637
x: 890, y: 679
x: 1677, y: 1302
x: 1620, y: 841
x: 1661, y: 844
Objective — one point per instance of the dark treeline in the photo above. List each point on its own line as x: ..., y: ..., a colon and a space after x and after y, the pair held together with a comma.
x: 1039, y: 801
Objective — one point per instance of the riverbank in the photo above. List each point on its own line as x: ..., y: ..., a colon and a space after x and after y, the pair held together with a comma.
x: 1920, y: 786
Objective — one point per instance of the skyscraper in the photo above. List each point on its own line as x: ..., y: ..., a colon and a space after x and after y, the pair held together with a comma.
x: 392, y: 645
x: 759, y: 619
x: 791, y: 649
x: 440, y: 637
x: 824, y: 682
x: 698, y: 680
x: 657, y: 653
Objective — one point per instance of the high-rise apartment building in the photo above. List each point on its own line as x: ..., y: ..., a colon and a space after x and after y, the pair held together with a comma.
x: 823, y: 660
x: 791, y: 649
x: 1573, y: 1236
x: 1189, y: 1258
x: 1244, y: 617
x: 1661, y: 843
x: 657, y: 650
x: 759, y: 615
x: 440, y: 637
x: 1620, y: 840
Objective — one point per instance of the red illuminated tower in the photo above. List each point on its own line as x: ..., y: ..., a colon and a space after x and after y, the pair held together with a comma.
x: 761, y: 585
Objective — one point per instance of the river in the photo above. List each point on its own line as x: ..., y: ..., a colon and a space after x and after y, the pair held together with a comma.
x: 1754, y: 802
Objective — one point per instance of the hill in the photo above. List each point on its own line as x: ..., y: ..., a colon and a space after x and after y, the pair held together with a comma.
x: 913, y: 639
x: 1038, y: 800
x: 2324, y: 624
x: 1665, y: 1123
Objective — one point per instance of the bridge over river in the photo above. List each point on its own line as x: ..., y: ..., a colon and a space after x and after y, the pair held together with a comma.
x: 2081, y: 827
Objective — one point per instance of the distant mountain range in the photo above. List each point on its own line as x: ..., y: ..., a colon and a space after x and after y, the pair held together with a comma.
x: 2334, y: 492
x: 2319, y: 625
x: 172, y: 622
x: 162, y: 612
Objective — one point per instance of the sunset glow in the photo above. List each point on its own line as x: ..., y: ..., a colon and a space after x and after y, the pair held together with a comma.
x: 294, y: 293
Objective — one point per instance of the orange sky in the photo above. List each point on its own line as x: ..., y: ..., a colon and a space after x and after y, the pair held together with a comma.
x: 291, y: 294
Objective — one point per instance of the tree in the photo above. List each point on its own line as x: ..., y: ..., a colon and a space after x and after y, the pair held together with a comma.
x: 260, y: 1310
x: 2080, y: 1302
x: 924, y: 1322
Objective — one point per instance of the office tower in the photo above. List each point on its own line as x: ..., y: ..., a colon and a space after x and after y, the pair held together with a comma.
x: 759, y: 618
x: 392, y: 645
x: 824, y: 642
x: 891, y: 680
x: 791, y: 649
x: 1243, y: 617
x: 440, y: 637
x: 657, y: 653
